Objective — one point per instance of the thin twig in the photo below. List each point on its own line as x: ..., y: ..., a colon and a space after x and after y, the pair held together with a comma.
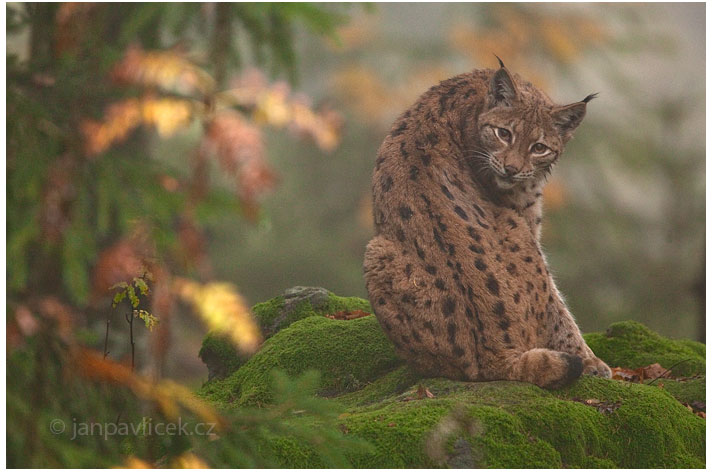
x: 668, y: 370
x: 131, y: 337
x: 106, y: 338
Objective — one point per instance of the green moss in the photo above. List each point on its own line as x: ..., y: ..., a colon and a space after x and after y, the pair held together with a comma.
x: 689, y: 391
x: 630, y: 344
x: 480, y: 424
x: 347, y: 353
x: 221, y: 357
x: 267, y: 312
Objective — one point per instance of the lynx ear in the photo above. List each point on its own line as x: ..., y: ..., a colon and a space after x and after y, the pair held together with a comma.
x: 567, y: 118
x: 502, y: 91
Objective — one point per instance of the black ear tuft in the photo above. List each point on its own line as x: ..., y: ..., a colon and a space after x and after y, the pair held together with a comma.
x: 501, y: 64
x: 502, y: 91
x: 590, y: 97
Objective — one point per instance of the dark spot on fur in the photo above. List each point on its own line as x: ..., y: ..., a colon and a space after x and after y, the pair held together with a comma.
x: 439, y: 240
x: 469, y: 314
x: 516, y: 297
x: 404, y: 153
x: 461, y: 213
x: 512, y: 268
x: 447, y: 193
x: 425, y: 158
x: 440, y: 283
x: 543, y: 285
x: 498, y: 258
x: 381, y: 301
x: 419, y: 250
x: 484, y: 225
x: 458, y: 351
x: 458, y: 267
x: 448, y: 306
x: 433, y: 138
x: 429, y: 326
x: 408, y: 270
x: 492, y: 284
x: 514, y: 248
x: 387, y: 183
x: 428, y: 303
x: 405, y: 212
x: 529, y: 204
x: 451, y: 329
x: 451, y: 249
x: 473, y: 234
x: 400, y: 235
x: 480, y: 265
x: 402, y: 126
x: 511, y: 223
x: 414, y: 170
x: 431, y: 270
x: 528, y: 259
x: 476, y: 249
x: 498, y: 308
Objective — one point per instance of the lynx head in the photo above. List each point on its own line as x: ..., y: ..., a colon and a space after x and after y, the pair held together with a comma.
x: 521, y: 134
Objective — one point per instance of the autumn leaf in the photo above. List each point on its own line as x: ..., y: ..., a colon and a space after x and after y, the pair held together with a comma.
x: 167, y: 115
x: 222, y: 308
x: 168, y: 70
x: 348, y: 314
x: 240, y: 151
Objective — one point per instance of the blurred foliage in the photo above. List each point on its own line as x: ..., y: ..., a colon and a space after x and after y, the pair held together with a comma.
x: 67, y: 407
x: 92, y: 208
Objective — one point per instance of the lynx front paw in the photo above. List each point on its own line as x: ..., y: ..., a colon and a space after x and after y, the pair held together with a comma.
x: 595, y: 366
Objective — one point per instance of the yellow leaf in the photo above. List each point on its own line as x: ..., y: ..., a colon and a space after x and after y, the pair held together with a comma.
x: 166, y: 114
x: 222, y: 308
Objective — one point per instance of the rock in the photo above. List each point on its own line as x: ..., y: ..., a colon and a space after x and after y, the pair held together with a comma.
x: 475, y: 424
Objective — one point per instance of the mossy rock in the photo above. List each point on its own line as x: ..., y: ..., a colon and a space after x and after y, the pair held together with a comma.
x: 349, y: 354
x: 479, y: 424
x: 633, y: 345
x: 221, y: 357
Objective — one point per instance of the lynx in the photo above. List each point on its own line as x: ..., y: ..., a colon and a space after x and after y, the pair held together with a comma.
x: 455, y: 274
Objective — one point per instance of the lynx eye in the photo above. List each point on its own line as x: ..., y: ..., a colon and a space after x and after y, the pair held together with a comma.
x: 504, y: 134
x: 539, y: 148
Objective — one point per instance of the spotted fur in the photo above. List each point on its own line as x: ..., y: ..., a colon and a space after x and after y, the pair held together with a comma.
x: 456, y: 274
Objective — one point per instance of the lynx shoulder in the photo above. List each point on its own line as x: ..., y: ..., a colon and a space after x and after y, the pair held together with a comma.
x: 455, y: 273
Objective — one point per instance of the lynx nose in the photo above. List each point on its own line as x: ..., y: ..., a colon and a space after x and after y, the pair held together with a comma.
x: 510, y: 170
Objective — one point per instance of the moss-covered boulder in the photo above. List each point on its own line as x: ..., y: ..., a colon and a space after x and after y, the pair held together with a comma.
x: 633, y: 345
x: 414, y: 422
x: 296, y: 303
